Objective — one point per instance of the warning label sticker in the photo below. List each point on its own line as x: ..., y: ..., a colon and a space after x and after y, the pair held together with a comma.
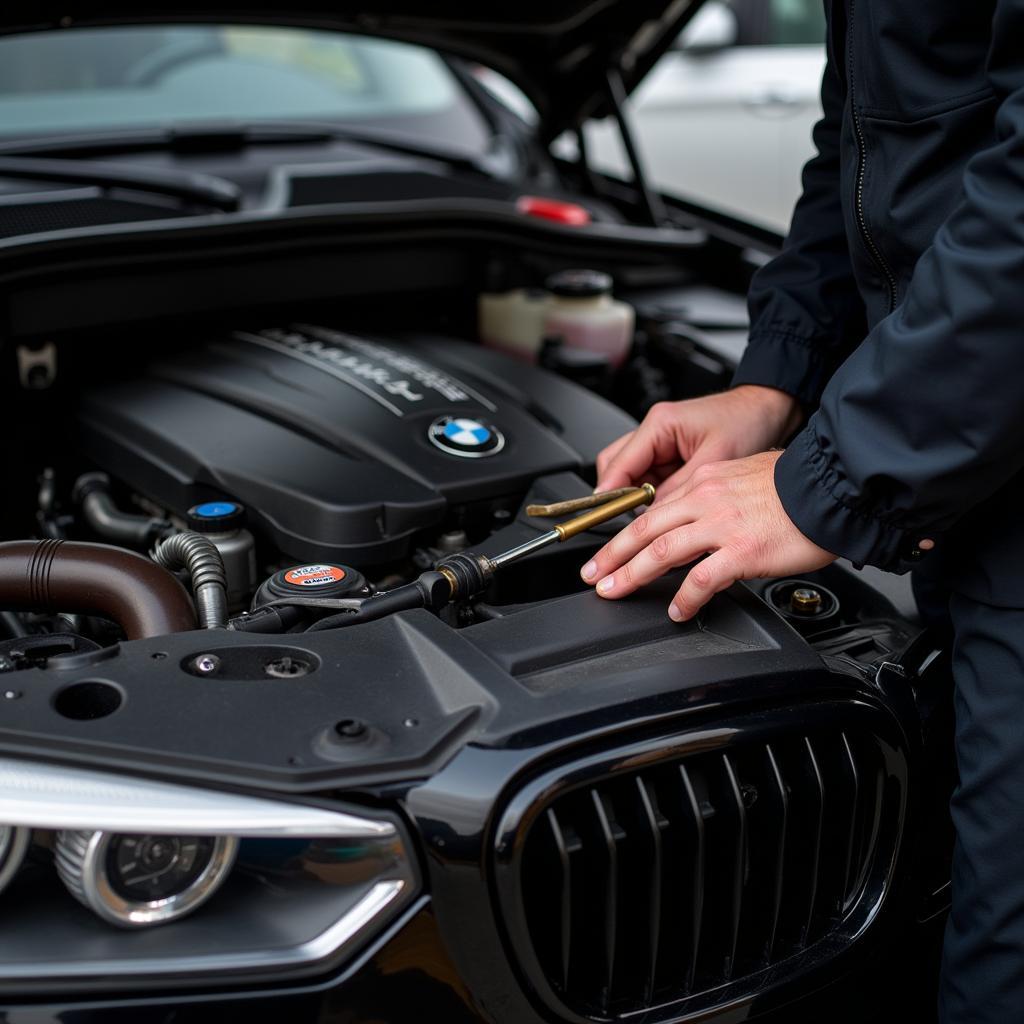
x: 314, y: 575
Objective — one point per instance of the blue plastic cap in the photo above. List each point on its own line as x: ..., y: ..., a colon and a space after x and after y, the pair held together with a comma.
x: 215, y: 509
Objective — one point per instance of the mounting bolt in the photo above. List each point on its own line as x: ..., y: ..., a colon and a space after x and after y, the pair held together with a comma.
x: 205, y: 664
x: 805, y: 601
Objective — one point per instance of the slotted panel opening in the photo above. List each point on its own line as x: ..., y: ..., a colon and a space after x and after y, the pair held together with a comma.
x: 650, y: 886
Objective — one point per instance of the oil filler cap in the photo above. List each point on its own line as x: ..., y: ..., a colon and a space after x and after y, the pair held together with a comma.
x: 320, y: 579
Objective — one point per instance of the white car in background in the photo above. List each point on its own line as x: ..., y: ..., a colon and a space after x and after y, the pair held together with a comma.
x: 725, y: 118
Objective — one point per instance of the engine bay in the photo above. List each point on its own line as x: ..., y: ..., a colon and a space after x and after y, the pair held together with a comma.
x: 308, y: 467
x: 289, y: 480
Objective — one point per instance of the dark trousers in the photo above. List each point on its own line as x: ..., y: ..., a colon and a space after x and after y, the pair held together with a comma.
x: 983, y: 957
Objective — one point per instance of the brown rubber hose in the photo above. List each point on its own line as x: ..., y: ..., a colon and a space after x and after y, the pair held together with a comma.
x: 66, y: 576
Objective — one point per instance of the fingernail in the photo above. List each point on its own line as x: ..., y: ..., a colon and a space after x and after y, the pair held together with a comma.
x: 606, y: 584
x: 674, y: 613
x: 589, y: 571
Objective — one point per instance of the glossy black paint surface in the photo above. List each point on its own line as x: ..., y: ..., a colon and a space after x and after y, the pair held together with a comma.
x: 408, y: 976
x: 460, y: 823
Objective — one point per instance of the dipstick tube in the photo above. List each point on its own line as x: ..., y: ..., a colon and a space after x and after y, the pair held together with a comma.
x: 634, y: 497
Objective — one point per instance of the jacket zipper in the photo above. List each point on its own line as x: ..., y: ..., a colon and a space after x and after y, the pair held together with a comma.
x: 869, y: 243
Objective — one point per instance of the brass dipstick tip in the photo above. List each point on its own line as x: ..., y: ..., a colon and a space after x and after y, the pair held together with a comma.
x: 565, y: 508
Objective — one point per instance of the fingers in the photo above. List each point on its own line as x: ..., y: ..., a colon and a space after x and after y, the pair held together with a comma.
x: 715, y: 573
x: 631, y: 540
x: 730, y: 509
x: 666, y: 551
x: 641, y: 453
x: 652, y: 444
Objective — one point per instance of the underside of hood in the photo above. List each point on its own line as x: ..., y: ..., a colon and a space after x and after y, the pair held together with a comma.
x: 559, y: 52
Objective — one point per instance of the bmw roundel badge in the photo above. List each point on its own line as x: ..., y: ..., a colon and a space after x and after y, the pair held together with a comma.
x: 467, y: 438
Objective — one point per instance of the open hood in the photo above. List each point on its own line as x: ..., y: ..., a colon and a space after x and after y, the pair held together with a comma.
x: 559, y: 52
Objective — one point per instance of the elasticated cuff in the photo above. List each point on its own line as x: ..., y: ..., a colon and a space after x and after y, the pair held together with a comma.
x: 794, y: 364
x: 806, y: 486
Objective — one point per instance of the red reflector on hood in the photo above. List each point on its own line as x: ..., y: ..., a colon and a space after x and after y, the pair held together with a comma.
x: 553, y: 209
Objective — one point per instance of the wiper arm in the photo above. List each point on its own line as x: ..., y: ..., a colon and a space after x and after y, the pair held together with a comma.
x: 189, y: 185
x: 225, y: 136
x: 214, y: 136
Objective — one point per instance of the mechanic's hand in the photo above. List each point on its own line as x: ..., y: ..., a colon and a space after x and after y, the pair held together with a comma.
x: 730, y: 509
x: 676, y: 438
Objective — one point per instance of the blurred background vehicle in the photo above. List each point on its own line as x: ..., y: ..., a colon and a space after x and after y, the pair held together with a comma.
x: 725, y: 118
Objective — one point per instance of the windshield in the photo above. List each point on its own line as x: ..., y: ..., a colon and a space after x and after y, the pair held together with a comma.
x: 83, y: 79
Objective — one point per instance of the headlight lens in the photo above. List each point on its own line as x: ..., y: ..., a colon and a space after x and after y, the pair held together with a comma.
x: 140, y: 880
x: 238, y: 884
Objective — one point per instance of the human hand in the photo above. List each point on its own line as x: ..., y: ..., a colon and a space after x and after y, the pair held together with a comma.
x: 730, y: 509
x: 676, y: 438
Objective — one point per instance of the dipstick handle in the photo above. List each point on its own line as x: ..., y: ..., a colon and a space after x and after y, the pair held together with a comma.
x: 563, y: 531
x: 609, y: 510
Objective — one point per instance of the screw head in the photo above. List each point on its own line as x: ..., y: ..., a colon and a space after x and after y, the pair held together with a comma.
x: 205, y: 664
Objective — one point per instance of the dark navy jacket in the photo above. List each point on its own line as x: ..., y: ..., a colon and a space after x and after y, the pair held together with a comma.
x: 897, y: 304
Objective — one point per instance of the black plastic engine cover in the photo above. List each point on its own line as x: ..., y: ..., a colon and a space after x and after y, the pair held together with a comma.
x: 334, y: 442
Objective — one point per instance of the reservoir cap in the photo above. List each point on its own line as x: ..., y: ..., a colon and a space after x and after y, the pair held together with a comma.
x: 320, y: 579
x: 580, y: 284
x: 216, y: 517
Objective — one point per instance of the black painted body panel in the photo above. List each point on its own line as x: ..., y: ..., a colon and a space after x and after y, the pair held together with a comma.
x: 575, y: 664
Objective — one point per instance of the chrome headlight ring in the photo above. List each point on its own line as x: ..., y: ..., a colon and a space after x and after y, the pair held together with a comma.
x: 84, y: 866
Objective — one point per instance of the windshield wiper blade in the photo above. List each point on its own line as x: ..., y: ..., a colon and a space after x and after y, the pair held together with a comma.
x: 191, y: 138
x: 188, y: 185
x: 216, y: 136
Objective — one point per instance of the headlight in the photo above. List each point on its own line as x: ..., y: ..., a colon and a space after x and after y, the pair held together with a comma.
x: 139, y: 880
x: 238, y: 884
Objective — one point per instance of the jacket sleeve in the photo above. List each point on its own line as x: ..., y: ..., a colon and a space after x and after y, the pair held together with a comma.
x: 926, y: 418
x: 806, y: 314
